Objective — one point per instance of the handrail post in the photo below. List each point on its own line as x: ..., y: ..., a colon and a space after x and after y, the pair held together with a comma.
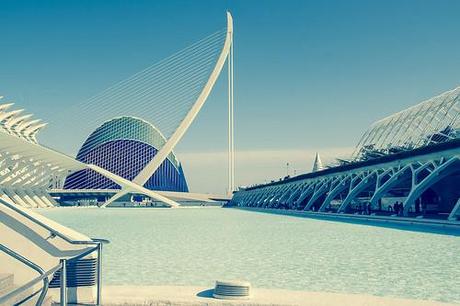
x: 63, y: 282
x: 97, y: 243
x: 29, y: 264
x: 42, y: 296
x: 99, y: 274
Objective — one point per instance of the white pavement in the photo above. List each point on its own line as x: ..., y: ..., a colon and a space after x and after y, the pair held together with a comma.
x: 199, y: 296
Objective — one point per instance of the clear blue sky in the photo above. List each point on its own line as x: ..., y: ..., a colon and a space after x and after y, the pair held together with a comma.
x: 309, y: 75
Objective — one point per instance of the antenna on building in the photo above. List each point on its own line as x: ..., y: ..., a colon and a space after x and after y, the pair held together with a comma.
x: 317, y: 164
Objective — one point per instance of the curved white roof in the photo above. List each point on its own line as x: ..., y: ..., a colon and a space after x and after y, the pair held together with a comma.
x: 431, y: 121
x: 126, y: 128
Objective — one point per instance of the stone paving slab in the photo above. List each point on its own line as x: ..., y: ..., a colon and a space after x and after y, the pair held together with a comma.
x: 201, y: 296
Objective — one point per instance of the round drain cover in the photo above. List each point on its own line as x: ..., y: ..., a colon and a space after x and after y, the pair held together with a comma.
x: 232, y: 290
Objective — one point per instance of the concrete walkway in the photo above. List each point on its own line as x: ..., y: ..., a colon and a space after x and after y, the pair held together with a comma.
x: 412, y: 224
x: 200, y: 296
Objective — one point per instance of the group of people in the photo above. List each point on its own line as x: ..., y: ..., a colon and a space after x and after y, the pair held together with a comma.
x: 397, y: 207
x: 365, y: 209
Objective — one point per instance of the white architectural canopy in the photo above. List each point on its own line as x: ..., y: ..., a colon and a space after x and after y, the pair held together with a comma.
x: 28, y: 169
x: 170, y: 94
x: 432, y: 121
x: 15, y: 122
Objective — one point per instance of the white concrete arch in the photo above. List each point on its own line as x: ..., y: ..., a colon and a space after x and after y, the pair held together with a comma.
x: 163, y: 153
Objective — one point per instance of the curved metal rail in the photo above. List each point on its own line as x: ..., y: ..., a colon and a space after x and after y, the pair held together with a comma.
x: 97, y: 243
x: 48, y: 228
x: 42, y: 277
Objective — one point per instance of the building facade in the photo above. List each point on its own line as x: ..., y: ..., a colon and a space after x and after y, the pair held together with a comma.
x: 124, y: 146
x: 405, y: 165
x: 27, y: 170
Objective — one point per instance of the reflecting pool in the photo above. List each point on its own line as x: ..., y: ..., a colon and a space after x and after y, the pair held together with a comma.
x: 196, y: 246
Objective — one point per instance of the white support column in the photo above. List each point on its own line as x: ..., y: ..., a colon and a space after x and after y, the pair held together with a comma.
x: 233, y: 119
x: 45, y: 197
x: 310, y: 188
x: 27, y: 198
x: 323, y: 188
x: 6, y: 197
x: 285, y: 195
x: 16, y: 198
x: 231, y: 146
x: 367, y: 181
x: 435, y: 176
x: 296, y: 192
x: 455, y: 213
x: 229, y: 130
x: 36, y: 198
x: 381, y: 190
x: 259, y: 197
x: 337, y: 189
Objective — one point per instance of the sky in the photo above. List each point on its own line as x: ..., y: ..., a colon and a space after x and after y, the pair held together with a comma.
x: 310, y: 76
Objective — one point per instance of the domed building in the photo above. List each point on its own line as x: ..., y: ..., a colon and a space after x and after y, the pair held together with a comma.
x: 124, y: 146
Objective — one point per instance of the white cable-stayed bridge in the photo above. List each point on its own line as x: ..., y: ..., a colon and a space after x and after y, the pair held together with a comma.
x: 164, y: 98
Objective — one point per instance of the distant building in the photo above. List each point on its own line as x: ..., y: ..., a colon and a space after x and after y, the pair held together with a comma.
x: 430, y: 122
x: 406, y: 164
x: 317, y: 164
x: 124, y: 146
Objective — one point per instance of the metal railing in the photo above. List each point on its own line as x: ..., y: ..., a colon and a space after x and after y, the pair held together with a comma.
x: 97, y: 243
x: 42, y: 277
x: 63, y: 280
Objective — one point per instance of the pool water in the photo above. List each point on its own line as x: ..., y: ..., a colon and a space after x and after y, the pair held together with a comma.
x: 196, y: 246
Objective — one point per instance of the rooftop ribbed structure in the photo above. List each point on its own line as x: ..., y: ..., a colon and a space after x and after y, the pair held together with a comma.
x: 432, y: 121
x: 17, y: 123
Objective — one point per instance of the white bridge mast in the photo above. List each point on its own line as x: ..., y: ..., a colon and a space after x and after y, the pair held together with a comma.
x: 231, y: 146
x: 136, y: 185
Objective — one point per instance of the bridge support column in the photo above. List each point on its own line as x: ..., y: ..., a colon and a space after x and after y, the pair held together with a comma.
x: 296, y: 192
x: 396, y: 178
x: 259, y: 199
x: 6, y: 197
x: 322, y: 189
x: 455, y: 213
x: 27, y: 198
x: 48, y: 199
x: 254, y: 199
x: 16, y: 198
x: 305, y: 193
x: 340, y: 187
x: 440, y: 172
x: 36, y: 198
x: 285, y: 195
x: 266, y: 198
x: 279, y: 192
x: 354, y: 191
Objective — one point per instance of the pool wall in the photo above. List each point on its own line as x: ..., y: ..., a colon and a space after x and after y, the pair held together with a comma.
x: 419, y: 225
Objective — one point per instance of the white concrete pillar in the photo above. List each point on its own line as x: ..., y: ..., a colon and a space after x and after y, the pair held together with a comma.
x: 5, y: 197
x: 16, y: 198
x: 27, y: 198
x: 45, y: 197
x: 33, y: 194
x: 455, y: 213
